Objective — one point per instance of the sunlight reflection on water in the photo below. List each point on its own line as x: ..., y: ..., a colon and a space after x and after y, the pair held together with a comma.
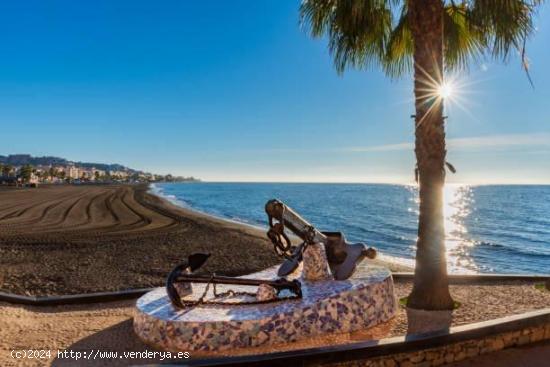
x: 458, y: 202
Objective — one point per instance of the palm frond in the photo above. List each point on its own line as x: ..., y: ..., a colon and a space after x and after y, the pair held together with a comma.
x: 400, y: 48
x: 364, y: 33
x: 461, y: 41
x: 357, y: 31
x: 505, y: 24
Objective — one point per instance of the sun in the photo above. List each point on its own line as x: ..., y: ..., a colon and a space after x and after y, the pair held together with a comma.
x: 448, y: 91
x: 445, y: 90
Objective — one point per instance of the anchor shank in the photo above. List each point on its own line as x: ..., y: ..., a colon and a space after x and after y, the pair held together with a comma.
x: 279, y: 284
x: 293, y: 221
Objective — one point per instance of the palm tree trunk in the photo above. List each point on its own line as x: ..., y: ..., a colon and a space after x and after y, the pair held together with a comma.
x: 431, y: 286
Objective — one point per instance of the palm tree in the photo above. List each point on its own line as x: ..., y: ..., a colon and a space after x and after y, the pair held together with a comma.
x: 427, y: 38
x: 26, y: 172
x: 6, y: 169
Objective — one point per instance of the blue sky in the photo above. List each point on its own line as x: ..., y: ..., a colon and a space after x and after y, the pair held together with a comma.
x: 236, y: 91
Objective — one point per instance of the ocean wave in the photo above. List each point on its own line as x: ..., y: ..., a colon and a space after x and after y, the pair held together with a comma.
x: 510, y: 249
x: 395, y: 260
x: 159, y: 191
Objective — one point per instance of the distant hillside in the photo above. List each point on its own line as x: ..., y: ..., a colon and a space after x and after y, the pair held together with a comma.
x: 22, y: 159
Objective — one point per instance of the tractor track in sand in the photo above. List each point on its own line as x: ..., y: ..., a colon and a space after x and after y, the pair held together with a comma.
x: 68, y: 239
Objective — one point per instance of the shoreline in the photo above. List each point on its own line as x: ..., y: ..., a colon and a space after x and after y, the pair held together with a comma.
x: 179, y: 205
x: 396, y: 264
x: 478, y: 238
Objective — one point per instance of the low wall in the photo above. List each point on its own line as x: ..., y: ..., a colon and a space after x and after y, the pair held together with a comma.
x: 73, y: 298
x: 429, y: 349
x: 459, y: 351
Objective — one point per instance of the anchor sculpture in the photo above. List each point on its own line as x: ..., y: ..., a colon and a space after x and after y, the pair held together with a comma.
x: 271, y: 308
x: 342, y: 256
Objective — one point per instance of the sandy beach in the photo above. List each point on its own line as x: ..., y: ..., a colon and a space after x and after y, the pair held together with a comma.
x: 65, y: 239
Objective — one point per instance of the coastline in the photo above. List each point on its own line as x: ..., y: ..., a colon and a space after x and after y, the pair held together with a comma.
x: 393, y: 263
x: 177, y: 205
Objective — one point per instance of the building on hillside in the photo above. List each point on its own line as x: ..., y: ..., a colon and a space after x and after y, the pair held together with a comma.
x: 43, y: 172
x: 72, y: 172
x: 118, y: 174
x: 87, y: 174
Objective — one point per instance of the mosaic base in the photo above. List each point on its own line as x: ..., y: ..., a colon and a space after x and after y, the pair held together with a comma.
x: 327, y: 307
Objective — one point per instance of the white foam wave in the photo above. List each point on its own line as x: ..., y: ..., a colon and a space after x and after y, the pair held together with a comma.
x: 158, y: 191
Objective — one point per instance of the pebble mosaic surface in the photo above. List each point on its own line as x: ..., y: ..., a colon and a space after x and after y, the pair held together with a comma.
x: 315, y: 264
x: 361, y: 302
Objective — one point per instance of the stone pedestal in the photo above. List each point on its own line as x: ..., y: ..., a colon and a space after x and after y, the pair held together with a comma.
x: 326, y: 309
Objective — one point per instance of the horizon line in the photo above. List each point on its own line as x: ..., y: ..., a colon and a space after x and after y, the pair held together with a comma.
x: 412, y: 183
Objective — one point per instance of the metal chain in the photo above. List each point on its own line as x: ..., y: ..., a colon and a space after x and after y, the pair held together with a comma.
x: 281, y: 243
x: 201, y: 298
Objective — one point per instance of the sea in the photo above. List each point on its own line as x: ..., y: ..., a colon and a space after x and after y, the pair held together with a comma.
x: 489, y: 228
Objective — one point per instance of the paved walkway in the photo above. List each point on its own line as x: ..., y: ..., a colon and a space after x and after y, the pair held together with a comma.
x: 537, y: 355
